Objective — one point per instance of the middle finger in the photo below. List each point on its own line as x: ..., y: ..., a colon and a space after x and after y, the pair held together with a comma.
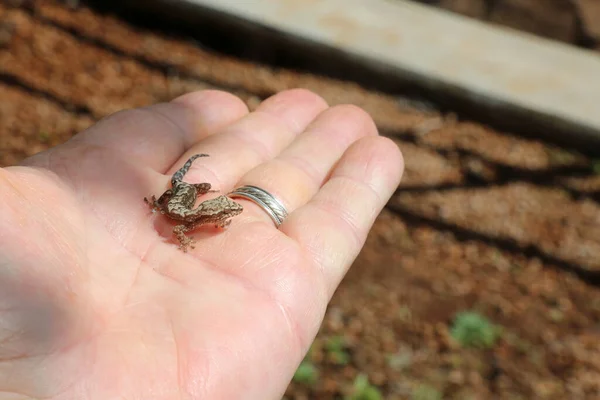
x: 252, y: 140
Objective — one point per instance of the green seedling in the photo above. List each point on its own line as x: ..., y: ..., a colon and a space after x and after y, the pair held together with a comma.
x: 399, y: 361
x: 561, y: 157
x: 596, y: 167
x: 404, y: 313
x: 306, y: 374
x: 363, y: 390
x: 44, y: 136
x: 471, y: 329
x: 426, y: 392
x: 556, y: 315
x: 336, y: 350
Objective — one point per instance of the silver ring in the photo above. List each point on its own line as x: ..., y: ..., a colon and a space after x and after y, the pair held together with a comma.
x: 265, y: 200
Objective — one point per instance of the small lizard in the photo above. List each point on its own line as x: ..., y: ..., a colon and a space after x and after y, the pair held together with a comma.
x: 177, y: 203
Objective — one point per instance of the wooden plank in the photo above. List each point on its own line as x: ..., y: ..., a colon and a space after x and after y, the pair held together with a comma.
x: 549, y: 86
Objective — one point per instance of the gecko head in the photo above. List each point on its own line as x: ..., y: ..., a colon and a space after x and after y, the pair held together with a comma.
x: 223, y: 206
x: 162, y: 201
x: 231, y: 208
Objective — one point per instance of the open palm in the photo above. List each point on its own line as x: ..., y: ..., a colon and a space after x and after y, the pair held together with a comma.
x: 98, y: 302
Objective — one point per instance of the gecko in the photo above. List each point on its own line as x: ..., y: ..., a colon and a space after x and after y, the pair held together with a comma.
x: 177, y: 203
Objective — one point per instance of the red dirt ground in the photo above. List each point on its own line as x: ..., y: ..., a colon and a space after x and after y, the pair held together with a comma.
x: 483, y: 220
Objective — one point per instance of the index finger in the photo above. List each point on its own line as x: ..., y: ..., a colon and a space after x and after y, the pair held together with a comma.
x: 156, y: 136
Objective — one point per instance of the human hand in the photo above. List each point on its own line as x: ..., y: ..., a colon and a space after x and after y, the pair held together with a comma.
x: 98, y: 302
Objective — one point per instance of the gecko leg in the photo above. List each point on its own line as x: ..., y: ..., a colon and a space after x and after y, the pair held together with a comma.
x: 203, y: 188
x: 158, y: 205
x: 151, y: 203
x: 185, y: 242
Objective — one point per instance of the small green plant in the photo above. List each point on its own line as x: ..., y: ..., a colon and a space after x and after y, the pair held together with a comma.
x: 363, y: 390
x: 596, y: 166
x: 401, y: 360
x: 306, y: 374
x: 336, y: 350
x: 425, y: 392
x: 44, y: 136
x: 471, y: 329
x: 404, y: 313
x: 556, y: 315
x: 560, y: 157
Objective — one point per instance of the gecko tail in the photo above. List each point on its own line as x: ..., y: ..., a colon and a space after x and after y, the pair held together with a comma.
x: 178, y: 176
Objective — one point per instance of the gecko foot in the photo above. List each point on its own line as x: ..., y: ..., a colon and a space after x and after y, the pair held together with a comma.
x: 223, y: 224
x: 151, y: 203
x: 185, y: 242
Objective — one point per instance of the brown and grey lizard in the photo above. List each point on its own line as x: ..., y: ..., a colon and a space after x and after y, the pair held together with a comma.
x: 178, y: 203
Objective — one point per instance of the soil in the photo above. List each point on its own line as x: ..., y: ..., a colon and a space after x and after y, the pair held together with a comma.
x: 483, y: 220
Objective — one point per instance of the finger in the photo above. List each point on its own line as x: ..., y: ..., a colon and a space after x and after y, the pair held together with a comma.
x: 156, y: 136
x: 254, y: 139
x: 334, y: 224
x: 299, y: 171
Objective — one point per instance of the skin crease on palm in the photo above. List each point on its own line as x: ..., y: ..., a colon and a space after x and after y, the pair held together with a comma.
x: 96, y: 300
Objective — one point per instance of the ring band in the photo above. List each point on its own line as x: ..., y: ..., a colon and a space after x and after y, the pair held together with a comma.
x: 265, y: 200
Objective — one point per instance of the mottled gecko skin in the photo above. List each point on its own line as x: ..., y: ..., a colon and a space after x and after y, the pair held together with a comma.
x: 178, y: 176
x: 177, y: 203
